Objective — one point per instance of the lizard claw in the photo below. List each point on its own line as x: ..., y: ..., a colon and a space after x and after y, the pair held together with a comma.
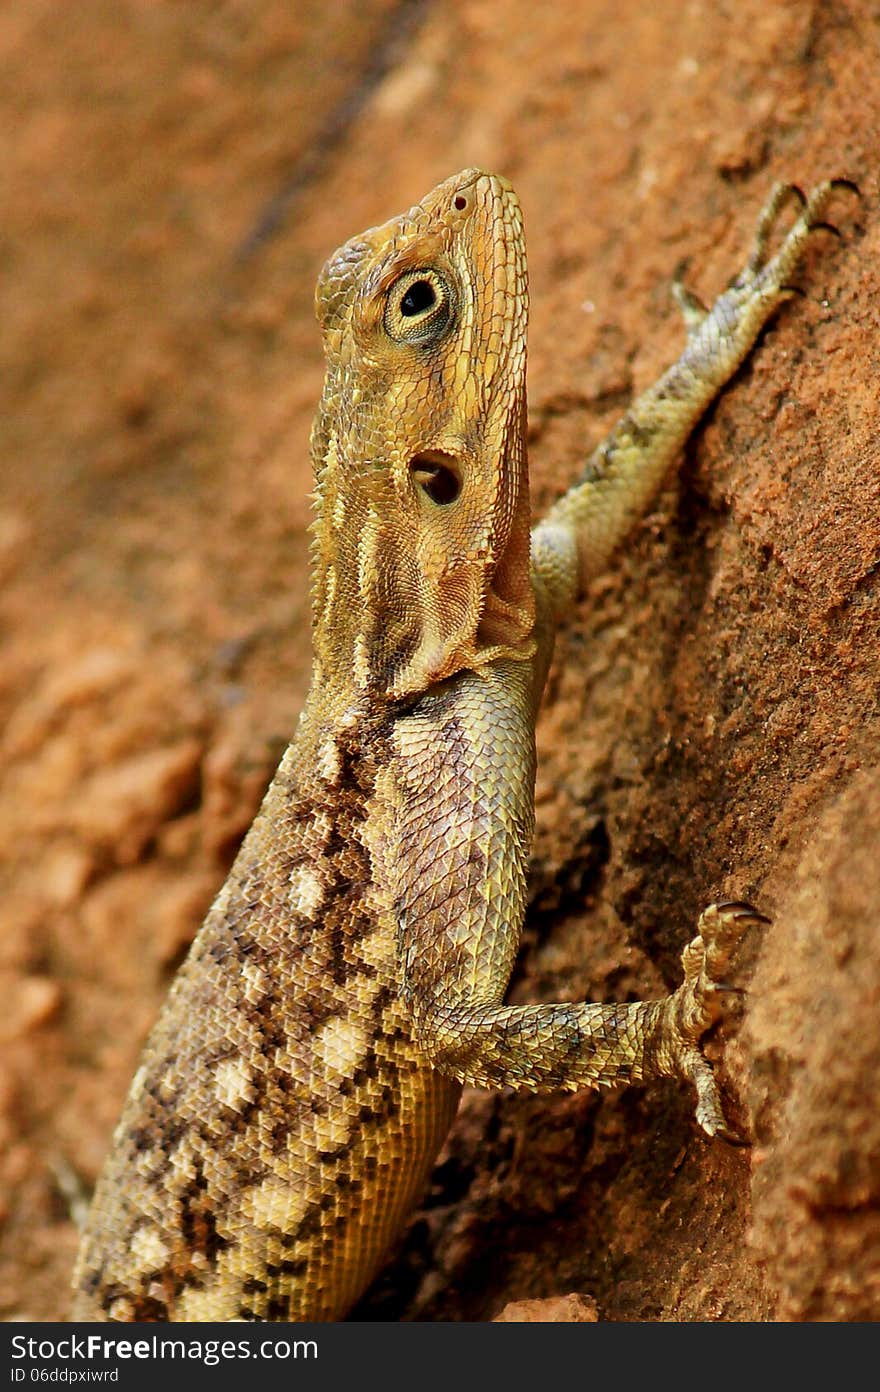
x: 738, y: 908
x: 692, y: 309
x: 826, y: 227
x: 733, y: 1138
x: 847, y: 184
x: 696, y: 1005
x: 771, y: 272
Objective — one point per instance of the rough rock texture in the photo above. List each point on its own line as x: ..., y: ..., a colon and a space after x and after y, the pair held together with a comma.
x: 174, y: 176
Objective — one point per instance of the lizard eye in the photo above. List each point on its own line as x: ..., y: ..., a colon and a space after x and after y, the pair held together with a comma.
x: 418, y: 308
x: 419, y: 297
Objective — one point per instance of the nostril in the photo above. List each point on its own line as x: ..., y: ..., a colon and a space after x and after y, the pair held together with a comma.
x: 460, y: 202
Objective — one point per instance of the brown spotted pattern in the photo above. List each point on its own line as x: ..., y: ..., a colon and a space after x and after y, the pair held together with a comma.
x: 254, y: 1175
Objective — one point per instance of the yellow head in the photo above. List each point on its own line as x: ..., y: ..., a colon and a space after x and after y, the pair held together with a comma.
x: 421, y: 541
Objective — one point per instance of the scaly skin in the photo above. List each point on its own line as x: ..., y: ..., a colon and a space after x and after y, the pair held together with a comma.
x: 351, y: 974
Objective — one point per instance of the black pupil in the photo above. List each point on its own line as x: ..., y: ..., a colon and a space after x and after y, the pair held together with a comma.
x: 419, y: 297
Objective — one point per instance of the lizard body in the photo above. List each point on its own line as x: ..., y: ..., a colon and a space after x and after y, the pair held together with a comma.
x: 351, y: 973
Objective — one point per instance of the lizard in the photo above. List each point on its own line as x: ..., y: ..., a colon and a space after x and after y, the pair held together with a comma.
x: 350, y: 976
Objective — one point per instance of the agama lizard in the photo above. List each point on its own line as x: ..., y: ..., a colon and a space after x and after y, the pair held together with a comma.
x: 351, y: 974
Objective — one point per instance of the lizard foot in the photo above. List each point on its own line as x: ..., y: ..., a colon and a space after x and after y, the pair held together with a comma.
x: 765, y: 280
x: 696, y: 1005
x: 768, y: 273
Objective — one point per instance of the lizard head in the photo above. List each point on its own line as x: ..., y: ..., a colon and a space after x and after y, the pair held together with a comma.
x: 421, y: 539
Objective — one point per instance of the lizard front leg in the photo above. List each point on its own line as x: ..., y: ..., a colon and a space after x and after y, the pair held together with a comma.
x: 459, y: 894
x: 575, y: 540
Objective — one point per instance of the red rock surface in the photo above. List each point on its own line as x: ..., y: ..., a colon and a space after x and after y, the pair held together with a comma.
x: 174, y: 177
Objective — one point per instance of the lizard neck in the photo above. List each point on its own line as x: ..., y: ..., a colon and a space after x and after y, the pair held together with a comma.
x: 394, y: 612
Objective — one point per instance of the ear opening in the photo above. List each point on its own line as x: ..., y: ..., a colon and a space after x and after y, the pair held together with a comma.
x: 438, y: 475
